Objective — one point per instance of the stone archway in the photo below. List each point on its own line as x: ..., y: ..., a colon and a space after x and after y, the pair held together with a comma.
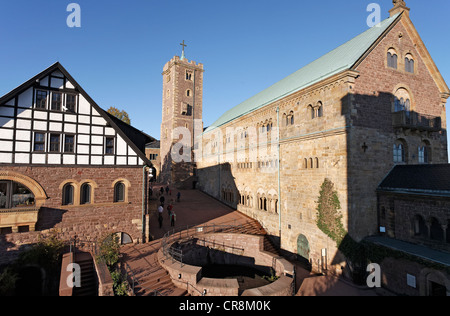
x: 303, y: 248
x: 38, y: 191
x: 21, y: 214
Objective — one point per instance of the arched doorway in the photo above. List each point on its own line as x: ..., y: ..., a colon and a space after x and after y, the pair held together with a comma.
x: 303, y: 249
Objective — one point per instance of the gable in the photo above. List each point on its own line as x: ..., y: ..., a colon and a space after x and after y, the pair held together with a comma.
x: 379, y: 82
x: 340, y: 59
x: 50, y: 120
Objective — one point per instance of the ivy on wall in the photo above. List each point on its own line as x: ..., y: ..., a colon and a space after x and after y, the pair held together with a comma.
x: 329, y: 218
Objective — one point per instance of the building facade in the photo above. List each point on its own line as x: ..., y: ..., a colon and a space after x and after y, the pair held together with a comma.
x: 349, y: 117
x: 67, y: 166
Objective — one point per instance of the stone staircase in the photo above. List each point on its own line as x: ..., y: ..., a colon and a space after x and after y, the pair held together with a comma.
x: 150, y: 278
x: 153, y: 280
x: 88, y: 275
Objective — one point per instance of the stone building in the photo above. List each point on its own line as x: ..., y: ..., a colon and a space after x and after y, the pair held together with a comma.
x: 181, y: 119
x: 414, y: 224
x: 68, y: 166
x: 349, y: 117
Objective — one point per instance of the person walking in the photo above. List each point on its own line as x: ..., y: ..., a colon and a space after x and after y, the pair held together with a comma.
x: 169, y: 209
x: 161, y: 200
x: 167, y: 190
x: 173, y: 217
x: 160, y: 217
x: 178, y: 196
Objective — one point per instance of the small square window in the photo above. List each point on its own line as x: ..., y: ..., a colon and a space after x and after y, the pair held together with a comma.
x: 41, y: 99
x: 56, y: 101
x: 109, y: 147
x: 71, y: 102
x: 39, y: 142
x: 69, y: 144
x: 54, y: 143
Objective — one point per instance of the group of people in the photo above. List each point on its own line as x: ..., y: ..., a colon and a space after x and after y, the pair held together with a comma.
x: 170, y: 210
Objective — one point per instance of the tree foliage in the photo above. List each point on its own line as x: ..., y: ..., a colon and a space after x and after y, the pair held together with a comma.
x: 121, y: 115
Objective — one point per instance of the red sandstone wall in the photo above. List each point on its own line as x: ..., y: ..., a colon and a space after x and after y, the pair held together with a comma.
x: 88, y: 222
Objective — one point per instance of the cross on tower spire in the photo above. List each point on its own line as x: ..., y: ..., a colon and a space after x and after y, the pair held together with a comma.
x: 182, y: 54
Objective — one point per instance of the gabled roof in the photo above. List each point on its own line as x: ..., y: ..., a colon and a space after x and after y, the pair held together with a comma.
x: 342, y: 58
x: 134, y: 138
x: 139, y: 138
x: 418, y: 179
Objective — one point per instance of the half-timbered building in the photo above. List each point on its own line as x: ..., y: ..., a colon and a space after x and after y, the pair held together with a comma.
x: 67, y: 165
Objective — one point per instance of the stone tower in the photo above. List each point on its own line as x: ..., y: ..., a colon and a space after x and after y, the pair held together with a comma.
x: 181, y: 119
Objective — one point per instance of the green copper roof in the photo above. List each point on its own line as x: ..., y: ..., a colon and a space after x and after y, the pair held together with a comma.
x: 336, y: 61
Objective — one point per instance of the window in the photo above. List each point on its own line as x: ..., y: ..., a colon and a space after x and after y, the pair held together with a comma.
x: 67, y: 196
x: 41, y: 99
x: 119, y: 192
x: 402, y: 105
x: 312, y: 112
x: 188, y: 75
x: 69, y: 144
x: 186, y: 109
x: 425, y: 152
x: 409, y: 64
x: 39, y: 142
x: 56, y: 101
x: 54, y: 143
x: 14, y: 194
x: 402, y: 101
x: 392, y: 58
x: 85, y: 194
x: 436, y: 231
x: 188, y: 93
x: 71, y: 102
x: 319, y: 109
x: 109, y: 146
x: 399, y: 153
x: 420, y: 229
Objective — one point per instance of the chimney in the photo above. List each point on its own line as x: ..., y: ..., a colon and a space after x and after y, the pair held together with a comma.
x: 399, y: 7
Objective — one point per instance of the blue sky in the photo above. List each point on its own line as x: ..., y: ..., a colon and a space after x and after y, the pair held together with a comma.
x: 246, y: 45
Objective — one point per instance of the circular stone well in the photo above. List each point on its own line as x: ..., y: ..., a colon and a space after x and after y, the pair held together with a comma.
x: 227, y: 264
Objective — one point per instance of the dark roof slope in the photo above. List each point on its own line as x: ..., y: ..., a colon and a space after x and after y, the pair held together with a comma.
x: 422, y: 179
x: 139, y: 138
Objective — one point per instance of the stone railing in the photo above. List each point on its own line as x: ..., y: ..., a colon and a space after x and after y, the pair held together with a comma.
x: 416, y: 121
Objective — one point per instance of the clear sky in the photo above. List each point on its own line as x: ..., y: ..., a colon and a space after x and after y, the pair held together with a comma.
x: 118, y: 53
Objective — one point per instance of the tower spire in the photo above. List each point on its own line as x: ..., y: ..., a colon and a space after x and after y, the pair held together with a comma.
x: 182, y: 53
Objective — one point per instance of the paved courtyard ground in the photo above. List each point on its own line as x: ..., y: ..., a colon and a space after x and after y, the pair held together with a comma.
x: 197, y: 208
